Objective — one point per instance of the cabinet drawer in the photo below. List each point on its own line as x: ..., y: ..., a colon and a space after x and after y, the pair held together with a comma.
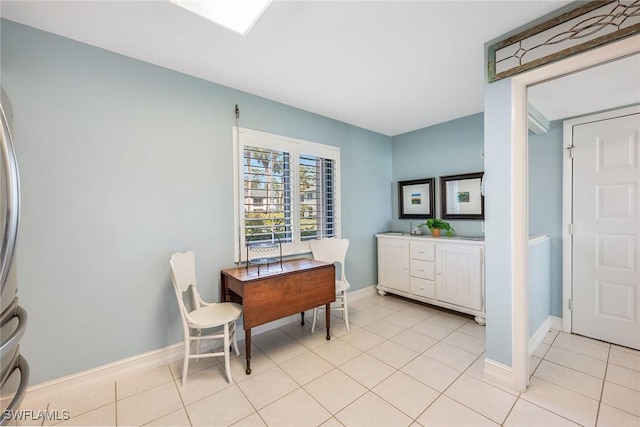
x: 422, y: 250
x: 423, y: 287
x: 422, y: 269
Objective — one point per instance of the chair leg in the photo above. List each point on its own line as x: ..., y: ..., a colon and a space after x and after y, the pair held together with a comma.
x: 235, y: 338
x: 185, y: 364
x: 227, y: 363
x: 197, y: 342
x: 345, y: 312
x: 315, y: 319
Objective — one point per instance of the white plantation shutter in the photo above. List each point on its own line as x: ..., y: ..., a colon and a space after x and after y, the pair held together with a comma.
x: 318, y: 218
x: 287, y: 190
x: 267, y: 195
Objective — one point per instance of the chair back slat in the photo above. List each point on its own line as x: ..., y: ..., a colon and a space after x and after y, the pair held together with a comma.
x: 183, y: 275
x: 330, y: 250
x: 183, y: 269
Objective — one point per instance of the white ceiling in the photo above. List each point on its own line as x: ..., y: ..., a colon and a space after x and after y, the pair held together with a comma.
x: 387, y: 66
x: 600, y: 88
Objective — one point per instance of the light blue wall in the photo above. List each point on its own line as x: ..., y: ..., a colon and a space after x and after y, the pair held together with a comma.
x: 545, y: 201
x: 124, y: 163
x: 538, y: 281
x: 498, y: 193
x: 450, y: 148
x: 545, y: 213
x: 498, y: 222
x: 455, y: 147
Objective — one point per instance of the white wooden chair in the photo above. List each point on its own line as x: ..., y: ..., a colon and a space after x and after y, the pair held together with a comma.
x: 202, y: 315
x: 333, y: 251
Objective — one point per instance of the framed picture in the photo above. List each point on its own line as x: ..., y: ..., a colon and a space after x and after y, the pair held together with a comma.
x: 417, y: 198
x: 461, y: 196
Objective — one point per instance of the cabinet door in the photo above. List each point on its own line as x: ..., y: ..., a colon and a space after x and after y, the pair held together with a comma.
x: 393, y: 263
x: 459, y: 275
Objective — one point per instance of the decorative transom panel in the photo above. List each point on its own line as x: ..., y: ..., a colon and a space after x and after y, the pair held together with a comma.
x: 588, y: 26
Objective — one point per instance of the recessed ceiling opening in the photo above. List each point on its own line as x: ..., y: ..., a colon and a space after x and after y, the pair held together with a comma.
x: 236, y: 15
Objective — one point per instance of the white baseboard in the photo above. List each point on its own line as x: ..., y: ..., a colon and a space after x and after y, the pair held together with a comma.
x: 538, y: 336
x: 502, y: 374
x: 499, y: 373
x: 122, y: 368
x: 552, y: 323
x: 369, y: 291
x: 556, y: 323
x: 108, y: 372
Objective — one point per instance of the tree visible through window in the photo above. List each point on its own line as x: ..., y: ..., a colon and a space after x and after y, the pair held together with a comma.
x: 317, y: 218
x: 289, y: 190
x: 267, y: 195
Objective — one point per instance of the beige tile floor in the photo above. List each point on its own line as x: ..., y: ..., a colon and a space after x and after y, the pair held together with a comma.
x: 402, y: 364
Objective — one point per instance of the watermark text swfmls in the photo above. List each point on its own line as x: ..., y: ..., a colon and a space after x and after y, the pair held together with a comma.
x: 37, y: 415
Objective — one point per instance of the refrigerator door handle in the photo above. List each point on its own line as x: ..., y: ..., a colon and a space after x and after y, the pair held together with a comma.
x: 10, y: 344
x: 21, y: 365
x: 12, y: 206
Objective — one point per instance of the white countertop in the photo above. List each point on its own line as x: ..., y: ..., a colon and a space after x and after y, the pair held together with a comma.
x: 444, y: 238
x: 533, y: 239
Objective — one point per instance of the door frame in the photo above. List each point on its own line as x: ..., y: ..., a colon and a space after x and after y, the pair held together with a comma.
x: 520, y: 192
x: 567, y: 204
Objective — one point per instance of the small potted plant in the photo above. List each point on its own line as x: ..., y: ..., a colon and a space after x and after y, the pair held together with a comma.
x: 435, y: 225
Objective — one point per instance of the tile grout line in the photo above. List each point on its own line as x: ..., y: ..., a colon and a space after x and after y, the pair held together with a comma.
x: 604, y: 380
x: 370, y: 389
x: 442, y: 393
x: 184, y: 407
x: 395, y: 370
x: 115, y: 395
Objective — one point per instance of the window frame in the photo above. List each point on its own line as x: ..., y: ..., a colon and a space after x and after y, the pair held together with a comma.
x: 296, y: 148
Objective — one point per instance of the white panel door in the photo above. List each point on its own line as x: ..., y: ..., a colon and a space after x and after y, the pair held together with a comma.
x: 606, y: 252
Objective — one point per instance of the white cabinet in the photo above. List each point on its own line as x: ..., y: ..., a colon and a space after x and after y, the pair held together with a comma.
x: 422, y: 268
x: 444, y: 271
x: 394, y: 268
x: 459, y: 271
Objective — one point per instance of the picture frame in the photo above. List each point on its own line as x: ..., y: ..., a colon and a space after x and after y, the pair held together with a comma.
x: 461, y: 196
x: 416, y: 198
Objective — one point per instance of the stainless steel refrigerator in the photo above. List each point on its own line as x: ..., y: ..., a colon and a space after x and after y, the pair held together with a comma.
x: 14, y: 370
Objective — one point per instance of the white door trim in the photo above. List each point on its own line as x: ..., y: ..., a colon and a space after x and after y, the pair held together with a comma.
x: 567, y: 204
x: 520, y: 194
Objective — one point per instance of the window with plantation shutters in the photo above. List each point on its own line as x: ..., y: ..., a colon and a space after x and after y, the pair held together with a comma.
x: 317, y: 189
x: 287, y: 191
x: 266, y: 194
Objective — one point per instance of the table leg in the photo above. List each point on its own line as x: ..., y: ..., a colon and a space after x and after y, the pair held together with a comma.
x: 247, y: 349
x: 302, y: 317
x: 224, y: 290
x: 328, y: 319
